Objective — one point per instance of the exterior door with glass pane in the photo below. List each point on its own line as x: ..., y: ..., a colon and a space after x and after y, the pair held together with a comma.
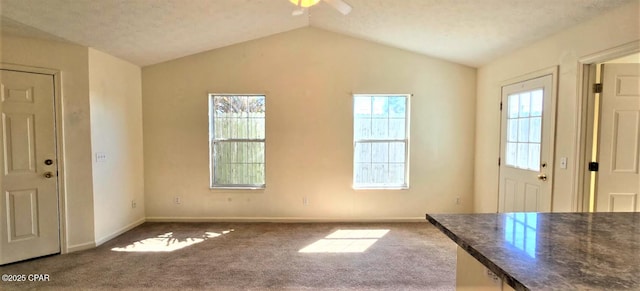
x: 526, y: 148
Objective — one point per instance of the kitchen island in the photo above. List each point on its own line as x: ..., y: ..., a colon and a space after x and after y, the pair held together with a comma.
x: 545, y: 251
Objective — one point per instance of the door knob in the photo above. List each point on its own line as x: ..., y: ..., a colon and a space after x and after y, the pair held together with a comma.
x: 542, y: 177
x: 48, y: 175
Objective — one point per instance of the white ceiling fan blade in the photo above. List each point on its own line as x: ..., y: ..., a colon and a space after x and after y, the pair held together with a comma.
x: 340, y: 5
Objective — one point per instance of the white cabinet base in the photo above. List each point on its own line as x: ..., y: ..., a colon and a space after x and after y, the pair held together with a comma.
x: 472, y: 275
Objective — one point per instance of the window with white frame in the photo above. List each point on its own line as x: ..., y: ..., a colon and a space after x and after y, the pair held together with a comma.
x: 237, y: 140
x: 381, y: 141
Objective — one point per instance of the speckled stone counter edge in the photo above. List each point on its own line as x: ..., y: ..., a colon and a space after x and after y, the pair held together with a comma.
x: 506, y: 277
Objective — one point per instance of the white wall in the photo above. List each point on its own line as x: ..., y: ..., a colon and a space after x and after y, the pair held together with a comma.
x: 101, y: 105
x: 632, y: 58
x: 115, y: 90
x: 308, y: 76
x: 564, y: 49
x: 72, y: 61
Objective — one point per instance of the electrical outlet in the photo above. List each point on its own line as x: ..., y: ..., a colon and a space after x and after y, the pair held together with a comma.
x: 133, y: 203
x: 177, y: 200
x: 305, y: 201
x: 458, y: 201
x: 101, y: 157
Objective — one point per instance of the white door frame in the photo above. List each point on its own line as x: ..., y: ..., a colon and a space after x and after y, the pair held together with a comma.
x: 59, y: 132
x: 584, y: 119
x: 553, y: 71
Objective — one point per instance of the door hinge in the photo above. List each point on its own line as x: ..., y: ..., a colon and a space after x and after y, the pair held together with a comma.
x: 500, y: 105
x: 499, y: 162
x: 593, y: 166
x: 597, y: 88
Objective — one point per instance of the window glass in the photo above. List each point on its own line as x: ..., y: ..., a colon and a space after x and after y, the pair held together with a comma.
x: 237, y: 141
x: 380, y: 131
x: 524, y: 130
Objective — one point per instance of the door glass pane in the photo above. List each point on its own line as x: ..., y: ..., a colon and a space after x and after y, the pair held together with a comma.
x: 512, y: 130
x: 536, y: 102
x: 513, y: 105
x: 525, y: 101
x: 523, y: 156
x: 534, y: 157
x: 523, y: 130
x: 511, y: 154
x: 535, y: 129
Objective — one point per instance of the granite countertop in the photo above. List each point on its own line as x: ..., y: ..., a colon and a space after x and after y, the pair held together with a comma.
x: 552, y: 251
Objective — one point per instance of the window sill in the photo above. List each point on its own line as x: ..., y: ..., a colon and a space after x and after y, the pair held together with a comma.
x: 238, y: 188
x: 381, y: 188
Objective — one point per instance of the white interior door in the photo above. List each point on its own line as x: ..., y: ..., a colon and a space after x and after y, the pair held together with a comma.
x: 526, y: 146
x: 618, y: 180
x: 29, y: 220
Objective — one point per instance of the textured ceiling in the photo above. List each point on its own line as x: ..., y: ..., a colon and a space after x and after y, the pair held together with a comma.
x: 145, y: 32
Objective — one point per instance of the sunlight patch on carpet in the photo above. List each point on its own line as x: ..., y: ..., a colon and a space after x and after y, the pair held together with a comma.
x: 358, y: 233
x: 167, y: 242
x: 346, y: 241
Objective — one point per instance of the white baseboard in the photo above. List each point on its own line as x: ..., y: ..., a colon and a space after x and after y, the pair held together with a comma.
x: 119, y: 231
x: 284, y: 219
x: 80, y: 247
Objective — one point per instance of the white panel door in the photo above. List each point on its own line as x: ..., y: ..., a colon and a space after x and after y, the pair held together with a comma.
x: 618, y: 182
x: 29, y: 220
x: 526, y: 148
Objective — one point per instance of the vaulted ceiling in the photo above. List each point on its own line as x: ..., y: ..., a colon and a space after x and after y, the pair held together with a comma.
x: 145, y: 32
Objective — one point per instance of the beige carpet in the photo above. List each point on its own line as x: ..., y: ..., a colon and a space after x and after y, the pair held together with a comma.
x: 255, y: 256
